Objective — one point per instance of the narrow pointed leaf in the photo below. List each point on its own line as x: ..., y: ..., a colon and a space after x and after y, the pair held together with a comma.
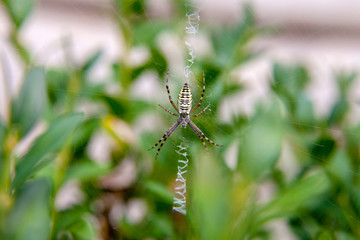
x: 29, y: 218
x: 32, y: 101
x: 48, y: 143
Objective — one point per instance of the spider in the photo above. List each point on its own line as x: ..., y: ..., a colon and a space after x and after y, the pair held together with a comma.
x: 184, y: 110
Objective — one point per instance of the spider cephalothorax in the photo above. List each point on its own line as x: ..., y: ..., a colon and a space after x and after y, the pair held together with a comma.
x: 184, y: 110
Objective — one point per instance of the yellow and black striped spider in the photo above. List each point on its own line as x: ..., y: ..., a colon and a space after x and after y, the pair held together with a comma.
x: 184, y: 110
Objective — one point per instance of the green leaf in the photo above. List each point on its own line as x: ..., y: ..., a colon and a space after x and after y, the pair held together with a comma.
x: 83, y: 229
x: 322, y: 149
x: 339, y: 167
x: 305, y: 112
x: 345, y: 236
x: 344, y: 81
x: 87, y: 171
x: 57, y: 81
x: 65, y: 219
x: 298, y: 228
x: 20, y: 10
x: 92, y: 61
x: 324, y: 235
x: 210, y: 205
x: 74, y: 223
x: 157, y: 62
x: 118, y: 106
x: 289, y: 83
x: 261, y: 147
x: 29, y: 218
x: 291, y: 79
x: 211, y: 70
x: 338, y: 112
x: 162, y: 226
x: 230, y: 42
x: 294, y: 197
x: 159, y: 190
x: 147, y: 32
x: 48, y: 143
x: 4, y: 162
x: 217, y: 92
x: 354, y: 196
x: 32, y: 101
x: 232, y: 88
x: 84, y: 133
x: 2, y: 139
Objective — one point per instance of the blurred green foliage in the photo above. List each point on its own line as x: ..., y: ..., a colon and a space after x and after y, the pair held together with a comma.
x: 318, y: 199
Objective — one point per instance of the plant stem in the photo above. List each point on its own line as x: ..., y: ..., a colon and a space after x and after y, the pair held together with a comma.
x: 19, y: 47
x: 5, y: 179
x: 14, y: 35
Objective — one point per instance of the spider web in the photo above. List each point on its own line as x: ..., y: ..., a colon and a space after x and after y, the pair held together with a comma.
x: 180, y: 191
x: 193, y: 22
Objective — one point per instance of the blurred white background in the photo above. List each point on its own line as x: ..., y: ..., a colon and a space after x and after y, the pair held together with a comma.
x: 322, y: 34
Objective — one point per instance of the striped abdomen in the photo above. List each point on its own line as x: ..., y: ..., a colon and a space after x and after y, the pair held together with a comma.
x: 185, y: 100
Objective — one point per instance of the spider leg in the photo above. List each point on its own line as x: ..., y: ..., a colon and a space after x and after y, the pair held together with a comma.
x: 202, y: 94
x: 196, y: 115
x: 194, y: 127
x: 168, y: 111
x: 199, y: 135
x: 164, y: 137
x: 168, y: 91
